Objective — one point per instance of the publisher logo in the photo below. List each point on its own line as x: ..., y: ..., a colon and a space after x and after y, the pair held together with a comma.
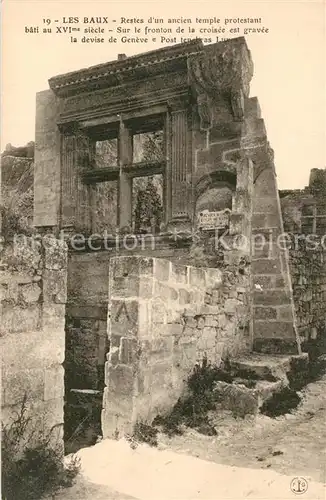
x: 299, y: 485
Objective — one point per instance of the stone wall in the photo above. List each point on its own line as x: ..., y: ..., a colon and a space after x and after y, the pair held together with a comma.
x: 87, y: 307
x: 33, y: 297
x: 163, y: 317
x: 304, y: 213
x: 308, y: 270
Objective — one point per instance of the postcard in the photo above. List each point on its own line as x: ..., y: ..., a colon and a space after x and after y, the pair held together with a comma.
x: 163, y: 250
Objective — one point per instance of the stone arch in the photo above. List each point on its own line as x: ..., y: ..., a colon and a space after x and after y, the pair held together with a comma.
x: 215, y: 192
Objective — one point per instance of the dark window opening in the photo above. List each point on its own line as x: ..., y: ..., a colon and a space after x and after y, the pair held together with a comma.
x: 148, y: 147
x: 106, y: 153
x: 105, y: 207
x: 147, y: 203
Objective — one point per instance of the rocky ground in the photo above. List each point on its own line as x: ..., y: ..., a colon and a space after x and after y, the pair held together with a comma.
x: 261, y: 451
x: 292, y: 444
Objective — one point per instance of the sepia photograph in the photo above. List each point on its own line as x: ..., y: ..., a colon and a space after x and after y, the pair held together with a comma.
x: 163, y: 250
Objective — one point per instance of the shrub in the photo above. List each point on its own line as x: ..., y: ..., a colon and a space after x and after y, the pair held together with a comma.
x: 144, y: 433
x: 30, y: 471
x: 192, y: 409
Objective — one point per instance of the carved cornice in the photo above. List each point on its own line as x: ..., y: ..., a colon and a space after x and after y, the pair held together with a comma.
x: 115, y: 73
x: 223, y: 68
x: 213, y: 73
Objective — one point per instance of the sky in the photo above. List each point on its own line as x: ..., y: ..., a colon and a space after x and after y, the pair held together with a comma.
x: 289, y: 66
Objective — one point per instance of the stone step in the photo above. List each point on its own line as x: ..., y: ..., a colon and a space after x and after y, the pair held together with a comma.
x: 268, y: 367
x: 242, y: 400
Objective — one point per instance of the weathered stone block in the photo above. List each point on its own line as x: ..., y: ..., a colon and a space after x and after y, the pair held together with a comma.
x: 265, y: 313
x: 285, y: 313
x: 146, y: 266
x: 202, y: 321
x: 271, y: 297
x: 159, y: 311
x: 165, y: 291
x: 129, y: 317
x: 123, y: 266
x: 132, y: 286
x: 56, y: 253
x: 275, y: 346
x: 22, y: 257
x: 214, y: 277
x: 237, y: 223
x: 197, y: 277
x: 113, y: 355
x: 237, y: 398
x: 264, y: 203
x: 162, y: 345
x: 125, y: 286
x: 120, y: 379
x: 263, y: 282
x: 54, y: 383
x: 274, y: 329
x: 30, y: 292
x: 230, y: 306
x: 34, y: 348
x: 179, y: 274
x: 175, y: 329
x: 266, y: 266
x: 184, y: 296
x: 129, y: 351
x: 262, y: 252
x: 24, y: 319
x: 196, y: 297
x: 222, y: 320
x: 53, y: 316
x: 162, y: 269
x: 55, y: 286
x: 3, y: 292
x: 116, y: 415
x: 24, y: 383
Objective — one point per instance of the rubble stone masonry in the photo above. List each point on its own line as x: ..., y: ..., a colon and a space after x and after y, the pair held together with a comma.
x: 33, y: 296
x: 304, y: 213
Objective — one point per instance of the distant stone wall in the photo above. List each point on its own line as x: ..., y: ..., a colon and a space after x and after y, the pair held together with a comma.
x: 33, y: 296
x: 304, y: 213
x: 163, y: 317
x: 308, y: 270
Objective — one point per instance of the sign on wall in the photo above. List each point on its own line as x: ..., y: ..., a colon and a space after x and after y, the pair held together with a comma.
x: 213, y: 220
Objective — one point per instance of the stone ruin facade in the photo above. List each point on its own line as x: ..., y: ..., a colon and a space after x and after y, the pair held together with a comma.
x: 141, y: 310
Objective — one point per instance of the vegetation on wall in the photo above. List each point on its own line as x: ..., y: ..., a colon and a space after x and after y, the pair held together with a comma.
x: 31, y: 463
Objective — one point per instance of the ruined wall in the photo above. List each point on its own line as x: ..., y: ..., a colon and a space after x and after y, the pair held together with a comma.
x: 304, y: 213
x: 163, y: 317
x: 308, y: 270
x: 87, y: 308
x: 33, y: 297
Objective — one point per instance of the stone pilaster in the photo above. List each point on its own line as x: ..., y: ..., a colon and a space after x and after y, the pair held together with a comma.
x: 179, y: 166
x: 68, y: 193
x: 75, y: 196
x: 47, y: 161
x: 125, y: 182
